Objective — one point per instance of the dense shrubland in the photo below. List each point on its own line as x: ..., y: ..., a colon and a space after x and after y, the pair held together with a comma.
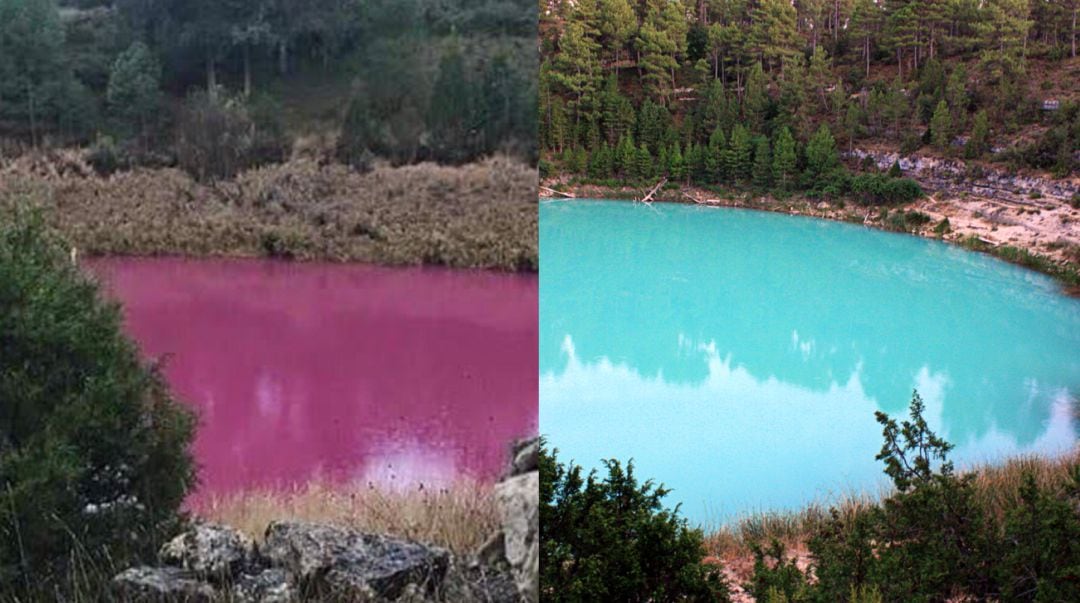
x: 763, y: 94
x: 609, y: 538
x: 481, y: 215
x: 94, y: 459
x: 217, y: 86
x: 1008, y: 532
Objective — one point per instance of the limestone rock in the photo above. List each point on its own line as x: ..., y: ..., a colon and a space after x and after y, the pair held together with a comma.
x: 526, y: 456
x: 518, y: 501
x: 210, y: 550
x: 268, y: 586
x: 352, y: 564
x: 165, y: 585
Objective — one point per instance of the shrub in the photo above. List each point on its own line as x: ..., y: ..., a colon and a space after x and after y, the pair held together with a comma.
x: 94, y: 459
x: 611, y: 539
x: 105, y: 157
x: 776, y: 578
x: 880, y: 189
x: 219, y: 137
x: 1041, y: 556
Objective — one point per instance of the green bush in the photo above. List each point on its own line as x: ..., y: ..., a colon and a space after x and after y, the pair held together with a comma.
x: 881, y: 189
x: 220, y: 137
x: 94, y: 459
x: 611, y: 539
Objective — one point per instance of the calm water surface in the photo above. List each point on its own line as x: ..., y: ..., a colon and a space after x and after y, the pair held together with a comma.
x: 739, y: 356
x: 345, y: 372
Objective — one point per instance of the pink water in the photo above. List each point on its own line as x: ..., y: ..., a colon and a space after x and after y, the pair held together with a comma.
x: 339, y: 372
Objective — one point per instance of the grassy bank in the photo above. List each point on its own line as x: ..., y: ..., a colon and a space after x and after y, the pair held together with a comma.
x: 905, y: 218
x: 459, y: 517
x: 996, y: 492
x: 480, y: 215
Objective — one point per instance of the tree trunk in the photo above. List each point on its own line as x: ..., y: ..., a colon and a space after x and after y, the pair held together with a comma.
x: 247, y: 70
x: 1074, y: 30
x: 866, y: 54
x: 33, y: 118
x: 211, y: 77
x: 283, y: 57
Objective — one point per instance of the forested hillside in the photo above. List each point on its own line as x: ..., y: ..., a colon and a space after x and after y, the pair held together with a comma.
x: 771, y: 92
x: 221, y: 85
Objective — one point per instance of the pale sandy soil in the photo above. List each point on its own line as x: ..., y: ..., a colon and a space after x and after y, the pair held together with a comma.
x: 1046, y: 227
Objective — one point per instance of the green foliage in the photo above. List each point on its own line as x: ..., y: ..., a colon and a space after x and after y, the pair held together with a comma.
x: 219, y: 137
x: 643, y: 163
x: 932, y: 539
x: 762, y: 174
x: 133, y: 94
x: 784, y: 159
x: 611, y: 539
x: 94, y: 458
x: 776, y: 577
x: 738, y: 157
x: 1041, y: 559
x: 941, y: 126
x: 822, y: 160
x: 451, y: 118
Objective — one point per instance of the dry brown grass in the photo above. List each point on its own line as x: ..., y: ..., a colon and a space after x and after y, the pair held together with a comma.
x: 996, y: 489
x: 459, y: 517
x: 481, y: 215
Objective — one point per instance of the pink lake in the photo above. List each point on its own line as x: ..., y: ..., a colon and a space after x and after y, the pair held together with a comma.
x: 393, y: 376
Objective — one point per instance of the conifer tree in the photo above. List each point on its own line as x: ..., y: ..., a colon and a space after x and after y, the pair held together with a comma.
x: 739, y: 156
x: 941, y: 126
x: 784, y: 159
x: 643, y: 163
x: 762, y: 175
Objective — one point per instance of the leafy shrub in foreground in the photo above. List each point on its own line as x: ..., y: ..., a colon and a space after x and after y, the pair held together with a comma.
x: 94, y: 459
x: 611, y: 539
x: 934, y: 539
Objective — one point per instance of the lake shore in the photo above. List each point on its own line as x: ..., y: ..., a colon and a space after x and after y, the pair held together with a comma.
x: 729, y: 547
x: 480, y: 215
x: 1047, y: 241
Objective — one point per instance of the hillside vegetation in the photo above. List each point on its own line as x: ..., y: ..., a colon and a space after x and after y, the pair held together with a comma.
x: 219, y: 86
x: 768, y: 93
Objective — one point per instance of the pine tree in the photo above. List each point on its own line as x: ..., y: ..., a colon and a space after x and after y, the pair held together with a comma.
x: 941, y: 126
x: 643, y: 163
x: 978, y: 144
x: 739, y: 157
x: 822, y: 159
x: 676, y: 163
x: 756, y: 99
x: 133, y: 92
x: 774, y: 31
x: 714, y: 156
x: 784, y: 159
x: 762, y: 174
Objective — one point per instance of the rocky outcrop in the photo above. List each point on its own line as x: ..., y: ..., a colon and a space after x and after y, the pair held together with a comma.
x: 152, y: 584
x: 209, y: 550
x: 297, y: 561
x: 517, y: 497
x: 958, y: 177
x: 354, y: 565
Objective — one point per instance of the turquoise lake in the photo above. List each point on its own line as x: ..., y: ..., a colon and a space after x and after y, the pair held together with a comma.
x: 738, y: 356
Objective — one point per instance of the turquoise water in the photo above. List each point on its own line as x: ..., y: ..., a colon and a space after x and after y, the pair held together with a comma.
x: 738, y: 357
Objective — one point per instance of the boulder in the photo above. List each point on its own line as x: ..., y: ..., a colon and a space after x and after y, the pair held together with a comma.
x: 526, y: 456
x: 268, y: 586
x: 162, y: 584
x: 518, y: 501
x: 210, y: 550
x: 351, y: 564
